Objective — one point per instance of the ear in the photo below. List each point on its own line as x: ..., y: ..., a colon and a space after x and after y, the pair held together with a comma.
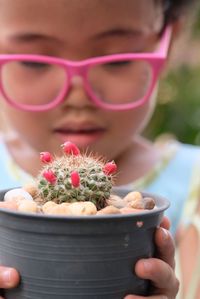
x: 180, y: 32
x: 177, y: 29
x: 178, y: 26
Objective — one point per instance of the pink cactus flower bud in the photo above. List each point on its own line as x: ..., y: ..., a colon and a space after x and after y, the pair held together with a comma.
x: 75, y: 179
x: 110, y: 168
x: 50, y: 176
x: 46, y: 157
x: 70, y: 148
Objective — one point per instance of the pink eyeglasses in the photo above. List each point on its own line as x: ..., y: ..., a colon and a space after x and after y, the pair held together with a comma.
x: 115, y: 82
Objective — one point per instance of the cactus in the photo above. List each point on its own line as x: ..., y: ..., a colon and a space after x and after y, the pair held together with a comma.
x: 75, y: 177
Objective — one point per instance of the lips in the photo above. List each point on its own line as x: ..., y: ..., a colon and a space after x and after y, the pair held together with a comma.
x: 83, y: 135
x: 79, y: 131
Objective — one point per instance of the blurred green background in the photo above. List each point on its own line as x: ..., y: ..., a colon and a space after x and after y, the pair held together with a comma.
x: 178, y: 109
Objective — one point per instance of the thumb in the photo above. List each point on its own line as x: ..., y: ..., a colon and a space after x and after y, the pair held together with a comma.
x: 9, y: 277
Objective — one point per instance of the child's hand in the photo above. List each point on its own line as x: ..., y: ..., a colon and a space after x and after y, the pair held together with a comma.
x: 11, y: 205
x: 160, y: 270
x: 9, y: 278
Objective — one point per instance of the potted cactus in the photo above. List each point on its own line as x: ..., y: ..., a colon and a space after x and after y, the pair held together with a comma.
x: 71, y: 237
x: 75, y: 178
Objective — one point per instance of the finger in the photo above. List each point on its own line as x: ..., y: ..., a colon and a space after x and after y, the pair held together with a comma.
x: 9, y: 277
x: 165, y: 223
x: 165, y: 247
x: 159, y: 273
x: 8, y: 205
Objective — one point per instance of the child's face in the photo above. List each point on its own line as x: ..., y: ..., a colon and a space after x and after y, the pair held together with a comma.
x: 76, y: 30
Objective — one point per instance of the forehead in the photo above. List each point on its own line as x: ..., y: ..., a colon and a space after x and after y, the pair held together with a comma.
x: 75, y: 16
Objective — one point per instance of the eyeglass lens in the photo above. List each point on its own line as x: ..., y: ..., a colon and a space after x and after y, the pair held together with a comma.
x: 115, y: 82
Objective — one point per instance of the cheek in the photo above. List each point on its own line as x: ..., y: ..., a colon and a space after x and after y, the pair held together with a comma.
x: 136, y: 120
x: 24, y: 123
x: 123, y: 126
x: 133, y: 121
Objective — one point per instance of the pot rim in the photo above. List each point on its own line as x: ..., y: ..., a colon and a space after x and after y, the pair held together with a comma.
x: 162, y: 204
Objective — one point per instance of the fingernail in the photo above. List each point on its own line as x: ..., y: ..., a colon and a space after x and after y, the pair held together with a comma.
x: 147, y: 265
x: 6, y: 276
x: 165, y: 235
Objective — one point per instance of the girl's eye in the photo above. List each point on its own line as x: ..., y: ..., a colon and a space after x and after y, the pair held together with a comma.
x: 34, y: 65
x: 118, y: 63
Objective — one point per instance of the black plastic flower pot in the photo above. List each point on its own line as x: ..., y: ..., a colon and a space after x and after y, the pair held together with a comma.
x: 78, y: 257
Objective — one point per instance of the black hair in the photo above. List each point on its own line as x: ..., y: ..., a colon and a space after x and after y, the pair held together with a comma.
x: 175, y: 8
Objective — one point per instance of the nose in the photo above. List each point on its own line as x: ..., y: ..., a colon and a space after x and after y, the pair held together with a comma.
x: 77, y: 96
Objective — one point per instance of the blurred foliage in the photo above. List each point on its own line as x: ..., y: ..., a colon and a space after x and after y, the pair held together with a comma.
x: 178, y: 109
x: 196, y: 27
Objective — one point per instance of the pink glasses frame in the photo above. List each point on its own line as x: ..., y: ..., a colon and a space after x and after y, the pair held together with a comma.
x: 80, y: 68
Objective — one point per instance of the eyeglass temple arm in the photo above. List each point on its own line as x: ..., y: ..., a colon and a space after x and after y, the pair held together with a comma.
x: 164, y: 46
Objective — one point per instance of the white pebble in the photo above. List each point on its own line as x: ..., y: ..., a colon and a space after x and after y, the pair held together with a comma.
x: 27, y: 206
x: 131, y: 196
x: 48, y: 205
x: 57, y: 210
x: 16, y: 193
x: 109, y: 210
x: 115, y: 201
x: 82, y: 208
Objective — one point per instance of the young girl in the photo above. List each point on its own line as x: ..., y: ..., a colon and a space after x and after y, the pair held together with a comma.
x: 87, y: 71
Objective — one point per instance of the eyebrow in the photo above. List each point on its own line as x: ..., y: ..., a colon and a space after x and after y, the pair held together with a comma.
x: 119, y: 32
x: 31, y: 37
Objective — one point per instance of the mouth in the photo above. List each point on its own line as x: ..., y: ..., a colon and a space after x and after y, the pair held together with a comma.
x: 81, y: 136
